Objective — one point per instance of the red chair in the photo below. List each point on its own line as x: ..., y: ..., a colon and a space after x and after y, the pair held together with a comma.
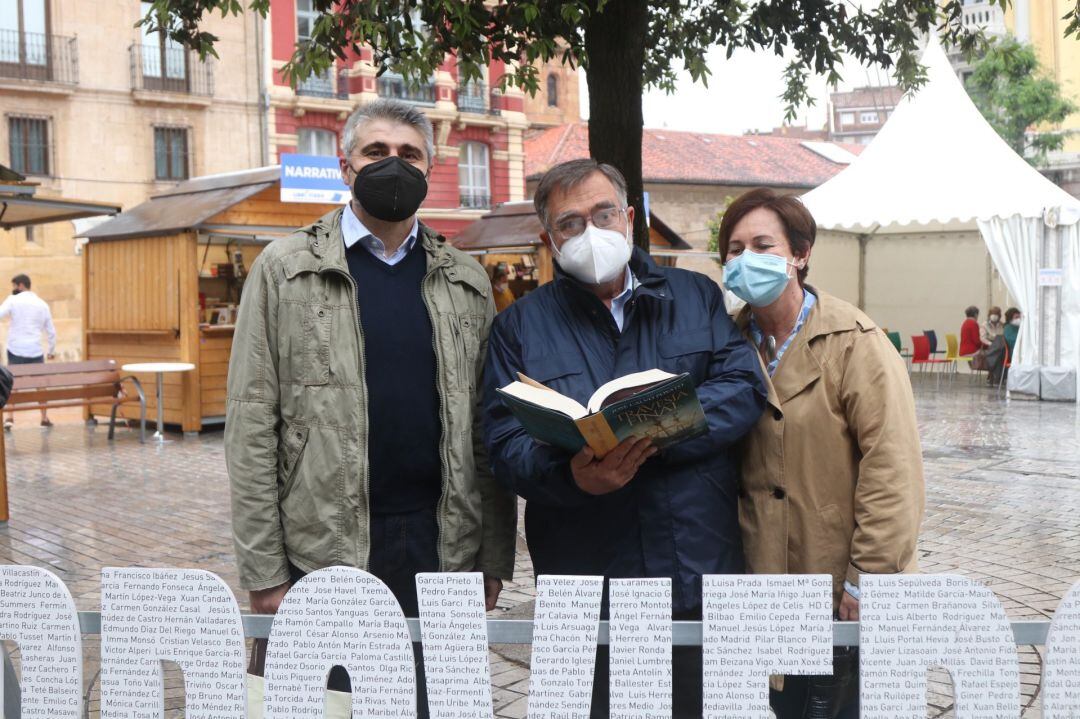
x: 1005, y: 365
x: 920, y: 345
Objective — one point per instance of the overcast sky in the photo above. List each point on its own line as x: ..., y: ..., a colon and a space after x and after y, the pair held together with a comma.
x: 743, y: 94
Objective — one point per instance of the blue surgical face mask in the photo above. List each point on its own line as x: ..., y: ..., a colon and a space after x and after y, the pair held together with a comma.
x: 755, y: 278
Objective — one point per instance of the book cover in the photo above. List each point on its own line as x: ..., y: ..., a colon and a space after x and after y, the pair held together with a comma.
x: 668, y: 411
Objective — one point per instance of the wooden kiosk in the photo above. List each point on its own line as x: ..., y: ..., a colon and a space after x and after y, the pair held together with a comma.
x: 510, y: 234
x: 163, y: 280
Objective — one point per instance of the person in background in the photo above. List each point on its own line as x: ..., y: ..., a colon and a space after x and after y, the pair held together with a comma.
x: 1013, y: 317
x: 992, y: 328
x: 970, y: 342
x: 30, y: 319
x: 832, y: 472
x: 500, y: 282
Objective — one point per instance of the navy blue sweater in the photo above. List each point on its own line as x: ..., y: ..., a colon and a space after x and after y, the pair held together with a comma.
x: 403, y: 400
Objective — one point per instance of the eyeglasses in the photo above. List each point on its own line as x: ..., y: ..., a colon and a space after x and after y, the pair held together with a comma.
x: 604, y: 218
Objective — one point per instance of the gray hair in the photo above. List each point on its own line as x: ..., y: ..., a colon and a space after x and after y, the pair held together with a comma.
x: 394, y: 111
x: 567, y: 175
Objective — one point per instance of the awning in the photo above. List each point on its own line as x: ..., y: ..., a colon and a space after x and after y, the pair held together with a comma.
x: 20, y: 208
x: 515, y: 225
x: 187, y: 205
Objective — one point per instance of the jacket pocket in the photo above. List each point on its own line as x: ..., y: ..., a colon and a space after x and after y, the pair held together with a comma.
x: 687, y: 351
x: 551, y: 367
x: 317, y: 329
x: 291, y: 443
x: 465, y: 329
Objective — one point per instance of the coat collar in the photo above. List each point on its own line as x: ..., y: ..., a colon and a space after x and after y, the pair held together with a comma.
x: 326, y: 247
x: 800, y: 365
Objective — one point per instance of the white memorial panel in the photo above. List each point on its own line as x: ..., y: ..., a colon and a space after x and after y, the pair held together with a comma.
x: 453, y: 632
x: 186, y: 616
x: 1061, y: 667
x: 909, y: 622
x: 38, y: 614
x: 639, y: 635
x: 345, y: 617
x: 565, y: 631
x: 756, y: 626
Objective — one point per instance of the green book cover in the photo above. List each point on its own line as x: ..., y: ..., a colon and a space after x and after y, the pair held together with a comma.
x: 653, y: 404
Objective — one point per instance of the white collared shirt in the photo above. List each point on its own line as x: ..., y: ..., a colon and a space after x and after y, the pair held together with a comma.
x: 30, y: 317
x: 353, y: 231
x: 618, y: 304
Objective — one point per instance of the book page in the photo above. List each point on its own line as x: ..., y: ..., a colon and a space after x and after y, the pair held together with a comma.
x: 640, y: 656
x: 545, y: 397
x: 637, y: 379
x: 1061, y: 665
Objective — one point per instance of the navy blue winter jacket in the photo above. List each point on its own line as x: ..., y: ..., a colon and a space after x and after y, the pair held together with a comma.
x: 678, y: 517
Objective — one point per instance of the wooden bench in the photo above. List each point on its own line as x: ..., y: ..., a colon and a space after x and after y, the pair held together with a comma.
x: 68, y: 384
x: 75, y: 384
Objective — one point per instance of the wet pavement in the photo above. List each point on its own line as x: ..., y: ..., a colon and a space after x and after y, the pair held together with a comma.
x: 1003, y: 494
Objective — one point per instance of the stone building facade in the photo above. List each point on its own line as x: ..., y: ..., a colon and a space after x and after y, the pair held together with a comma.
x: 94, y: 109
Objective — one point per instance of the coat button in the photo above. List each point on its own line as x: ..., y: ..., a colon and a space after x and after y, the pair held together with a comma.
x: 777, y: 415
x: 779, y: 492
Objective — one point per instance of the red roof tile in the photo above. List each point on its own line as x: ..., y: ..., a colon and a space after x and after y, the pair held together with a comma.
x: 697, y: 158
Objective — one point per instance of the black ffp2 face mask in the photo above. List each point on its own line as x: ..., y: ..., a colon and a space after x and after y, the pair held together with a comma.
x: 390, y: 189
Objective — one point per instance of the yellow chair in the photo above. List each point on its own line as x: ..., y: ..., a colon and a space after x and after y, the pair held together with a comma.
x: 952, y: 352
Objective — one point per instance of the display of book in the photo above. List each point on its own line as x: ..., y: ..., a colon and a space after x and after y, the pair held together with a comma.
x: 653, y: 403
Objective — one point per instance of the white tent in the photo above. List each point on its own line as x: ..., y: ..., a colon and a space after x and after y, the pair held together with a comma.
x: 938, y: 166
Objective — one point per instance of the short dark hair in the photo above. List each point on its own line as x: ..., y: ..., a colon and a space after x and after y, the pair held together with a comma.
x: 568, y: 175
x: 20, y: 279
x: 972, y: 311
x: 799, y: 226
x: 1011, y: 313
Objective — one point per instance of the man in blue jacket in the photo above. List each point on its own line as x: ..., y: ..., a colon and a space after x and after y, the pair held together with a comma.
x: 611, y: 311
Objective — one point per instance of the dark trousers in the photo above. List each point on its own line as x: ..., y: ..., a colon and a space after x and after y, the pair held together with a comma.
x: 822, y: 697
x: 16, y: 359
x: 686, y: 675
x: 401, y: 546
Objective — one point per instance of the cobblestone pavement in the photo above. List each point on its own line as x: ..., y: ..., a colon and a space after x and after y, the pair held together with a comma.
x: 1003, y: 492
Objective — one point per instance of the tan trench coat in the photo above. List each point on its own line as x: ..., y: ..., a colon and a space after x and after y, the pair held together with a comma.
x: 832, y: 479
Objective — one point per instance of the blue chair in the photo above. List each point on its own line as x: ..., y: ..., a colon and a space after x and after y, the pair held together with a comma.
x: 932, y: 336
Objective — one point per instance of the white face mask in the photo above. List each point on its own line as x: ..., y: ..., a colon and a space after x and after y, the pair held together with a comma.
x: 595, y: 256
x: 1015, y: 322
x: 995, y: 318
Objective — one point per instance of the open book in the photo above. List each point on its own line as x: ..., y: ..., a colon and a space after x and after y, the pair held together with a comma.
x: 654, y: 404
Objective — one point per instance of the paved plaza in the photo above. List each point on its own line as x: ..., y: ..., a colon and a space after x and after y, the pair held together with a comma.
x: 1003, y: 493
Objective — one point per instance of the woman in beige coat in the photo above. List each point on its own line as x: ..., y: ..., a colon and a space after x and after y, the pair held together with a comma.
x: 832, y: 477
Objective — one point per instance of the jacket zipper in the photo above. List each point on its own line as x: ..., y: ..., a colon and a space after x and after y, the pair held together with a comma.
x: 363, y: 384
x: 444, y: 455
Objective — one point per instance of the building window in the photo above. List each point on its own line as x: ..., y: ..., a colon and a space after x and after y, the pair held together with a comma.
x: 164, y: 61
x: 847, y: 118
x: 28, y: 144
x: 474, y: 175
x: 170, y: 153
x: 868, y: 117
x: 553, y: 91
x: 306, y: 15
x: 317, y: 142
x: 23, y: 32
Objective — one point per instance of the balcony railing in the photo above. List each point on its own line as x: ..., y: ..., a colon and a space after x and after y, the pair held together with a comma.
x: 329, y: 84
x: 35, y: 56
x: 396, y: 87
x: 985, y: 16
x: 475, y: 97
x: 475, y: 200
x: 170, y: 69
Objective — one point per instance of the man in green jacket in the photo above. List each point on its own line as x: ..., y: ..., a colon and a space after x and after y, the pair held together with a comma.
x: 352, y: 390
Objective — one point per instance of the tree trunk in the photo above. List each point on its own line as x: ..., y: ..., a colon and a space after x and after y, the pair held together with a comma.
x: 615, y: 43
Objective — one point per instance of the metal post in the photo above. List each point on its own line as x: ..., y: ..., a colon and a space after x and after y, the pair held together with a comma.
x: 159, y: 435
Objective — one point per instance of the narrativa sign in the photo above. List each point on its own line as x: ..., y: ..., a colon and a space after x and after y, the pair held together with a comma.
x: 752, y: 627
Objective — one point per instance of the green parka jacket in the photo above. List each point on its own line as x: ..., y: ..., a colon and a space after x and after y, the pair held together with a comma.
x: 296, y: 427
